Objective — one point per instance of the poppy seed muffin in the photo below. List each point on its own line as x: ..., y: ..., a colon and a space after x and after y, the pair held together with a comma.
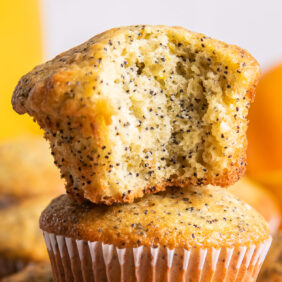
x: 25, y: 164
x: 179, y: 234
x: 144, y: 107
x: 21, y: 240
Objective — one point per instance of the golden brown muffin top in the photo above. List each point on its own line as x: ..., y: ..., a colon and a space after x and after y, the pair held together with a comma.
x: 260, y: 199
x: 35, y: 272
x: 143, y: 107
x: 71, y: 68
x: 25, y: 165
x: 20, y: 236
x: 272, y: 268
x: 192, y: 216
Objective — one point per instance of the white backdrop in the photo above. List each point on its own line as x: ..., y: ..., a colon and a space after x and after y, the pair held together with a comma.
x: 252, y: 24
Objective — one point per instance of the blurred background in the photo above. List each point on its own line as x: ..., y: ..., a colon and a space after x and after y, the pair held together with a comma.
x: 33, y: 31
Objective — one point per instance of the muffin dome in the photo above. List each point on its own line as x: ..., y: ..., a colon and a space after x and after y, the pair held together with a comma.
x: 138, y: 108
x: 185, y: 218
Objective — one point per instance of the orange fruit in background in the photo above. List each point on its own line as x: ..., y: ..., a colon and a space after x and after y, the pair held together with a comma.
x: 265, y: 132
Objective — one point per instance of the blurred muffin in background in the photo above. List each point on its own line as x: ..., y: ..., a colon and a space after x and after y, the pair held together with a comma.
x: 27, y: 169
x: 272, y: 268
x: 260, y: 199
x: 265, y: 132
x: 35, y: 272
x: 21, y: 240
x: 28, y: 181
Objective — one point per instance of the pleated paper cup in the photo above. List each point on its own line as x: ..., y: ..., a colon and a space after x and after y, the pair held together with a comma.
x: 79, y: 260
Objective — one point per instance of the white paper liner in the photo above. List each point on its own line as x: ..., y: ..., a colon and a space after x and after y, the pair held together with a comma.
x: 78, y: 260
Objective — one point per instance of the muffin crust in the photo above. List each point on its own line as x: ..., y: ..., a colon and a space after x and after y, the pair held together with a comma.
x: 185, y: 218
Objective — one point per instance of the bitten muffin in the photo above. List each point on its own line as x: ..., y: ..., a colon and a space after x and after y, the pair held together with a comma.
x: 260, y: 199
x: 35, y: 272
x: 143, y: 107
x: 191, y: 233
x: 25, y: 165
x: 21, y: 239
x: 272, y: 268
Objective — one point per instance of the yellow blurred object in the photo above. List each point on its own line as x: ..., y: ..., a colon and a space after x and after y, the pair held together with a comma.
x: 260, y: 199
x: 265, y: 133
x: 20, y: 50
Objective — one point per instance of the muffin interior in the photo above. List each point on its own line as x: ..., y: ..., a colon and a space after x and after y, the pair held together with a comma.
x: 178, y: 109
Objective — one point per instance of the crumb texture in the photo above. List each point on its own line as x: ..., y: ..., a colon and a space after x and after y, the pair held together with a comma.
x: 143, y: 107
x: 188, y: 217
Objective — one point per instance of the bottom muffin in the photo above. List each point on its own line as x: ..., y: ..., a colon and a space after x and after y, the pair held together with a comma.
x: 189, y: 234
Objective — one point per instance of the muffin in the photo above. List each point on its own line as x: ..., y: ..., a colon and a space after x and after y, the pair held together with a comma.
x: 25, y: 164
x: 136, y: 109
x: 259, y: 198
x: 35, y: 272
x: 272, y: 267
x: 191, y: 233
x: 21, y: 240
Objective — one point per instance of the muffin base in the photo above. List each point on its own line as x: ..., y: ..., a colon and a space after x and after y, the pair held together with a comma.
x: 79, y: 260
